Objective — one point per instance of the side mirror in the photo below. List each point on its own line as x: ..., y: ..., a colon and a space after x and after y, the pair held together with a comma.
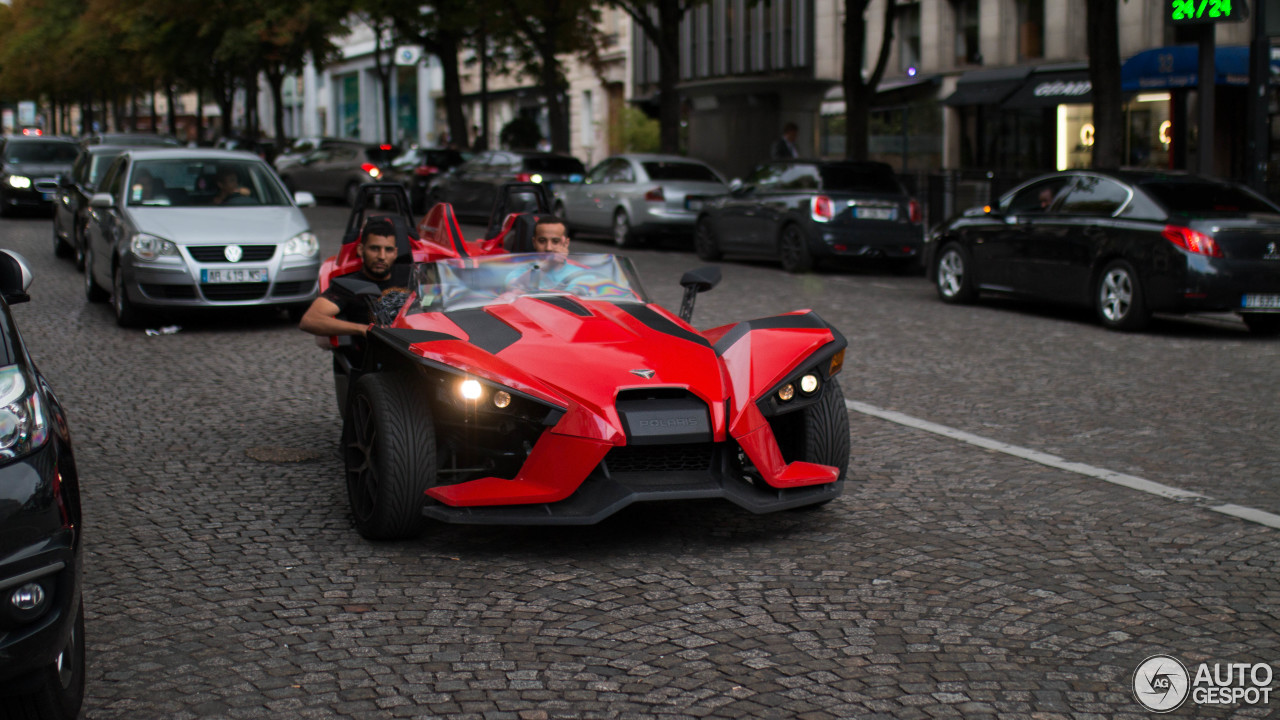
x: 101, y: 200
x: 695, y: 281
x: 15, y: 277
x: 735, y: 186
x: 304, y: 199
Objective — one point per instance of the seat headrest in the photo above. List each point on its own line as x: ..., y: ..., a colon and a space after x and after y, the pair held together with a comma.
x: 520, y: 238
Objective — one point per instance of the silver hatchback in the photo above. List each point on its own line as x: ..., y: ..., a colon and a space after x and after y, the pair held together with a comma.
x: 633, y: 196
x: 187, y: 228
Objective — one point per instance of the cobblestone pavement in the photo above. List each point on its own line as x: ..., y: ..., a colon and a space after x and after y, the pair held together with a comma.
x: 224, y: 578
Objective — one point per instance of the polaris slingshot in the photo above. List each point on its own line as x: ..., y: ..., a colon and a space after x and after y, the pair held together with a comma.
x: 508, y: 387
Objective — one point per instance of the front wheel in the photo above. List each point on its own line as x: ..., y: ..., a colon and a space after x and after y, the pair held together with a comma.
x: 127, y: 314
x: 1118, y: 296
x: 1262, y: 324
x: 93, y: 292
x: 952, y: 276
x: 705, y: 242
x: 60, y: 247
x: 389, y: 453
x: 58, y: 691
x: 623, y: 235
x: 793, y: 250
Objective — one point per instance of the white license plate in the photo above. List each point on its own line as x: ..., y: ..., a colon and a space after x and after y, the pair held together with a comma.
x: 872, y: 213
x: 693, y: 203
x: 1261, y: 301
x: 234, y: 275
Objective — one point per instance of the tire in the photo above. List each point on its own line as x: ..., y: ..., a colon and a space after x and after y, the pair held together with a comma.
x: 78, y: 247
x: 1265, y: 325
x: 705, y: 242
x: 127, y: 313
x: 352, y: 194
x: 389, y: 453
x: 623, y: 236
x: 1118, y: 298
x: 93, y: 292
x: 56, y: 691
x: 60, y: 247
x: 952, y: 277
x: 793, y: 250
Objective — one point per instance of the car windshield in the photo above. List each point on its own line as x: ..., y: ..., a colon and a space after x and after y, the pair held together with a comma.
x: 859, y: 178
x: 182, y: 182
x: 41, y: 152
x: 458, y: 284
x: 1190, y: 197
x: 679, y: 171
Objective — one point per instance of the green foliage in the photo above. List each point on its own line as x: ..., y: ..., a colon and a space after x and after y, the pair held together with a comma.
x: 638, y: 132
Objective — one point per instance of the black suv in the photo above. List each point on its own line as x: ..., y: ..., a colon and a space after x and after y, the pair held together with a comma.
x: 29, y: 170
x: 472, y: 186
x: 338, y: 168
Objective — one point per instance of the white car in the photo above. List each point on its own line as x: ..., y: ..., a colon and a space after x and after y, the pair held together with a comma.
x: 161, y: 236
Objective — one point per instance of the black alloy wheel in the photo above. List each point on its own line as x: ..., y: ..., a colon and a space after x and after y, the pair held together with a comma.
x: 58, y: 688
x: 389, y: 453
x: 793, y: 250
x: 705, y: 242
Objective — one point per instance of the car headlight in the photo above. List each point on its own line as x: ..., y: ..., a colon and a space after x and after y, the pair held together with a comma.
x: 304, y: 244
x: 150, y: 247
x: 21, y: 182
x: 23, y: 427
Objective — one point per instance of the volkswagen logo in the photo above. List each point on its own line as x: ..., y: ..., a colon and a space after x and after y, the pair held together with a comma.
x: 233, y: 253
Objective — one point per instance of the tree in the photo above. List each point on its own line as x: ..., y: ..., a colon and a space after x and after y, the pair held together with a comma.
x: 660, y: 22
x: 441, y: 27
x: 859, y: 91
x: 1103, y: 40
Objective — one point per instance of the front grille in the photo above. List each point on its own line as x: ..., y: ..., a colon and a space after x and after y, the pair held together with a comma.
x: 216, y: 253
x: 169, y: 292
x: 300, y: 287
x: 234, y: 291
x: 660, y: 458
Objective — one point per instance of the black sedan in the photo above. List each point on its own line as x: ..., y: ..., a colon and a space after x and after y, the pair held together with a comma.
x: 71, y: 202
x: 41, y: 613
x: 29, y: 170
x: 1125, y: 243
x: 418, y: 168
x: 802, y: 211
x: 473, y: 187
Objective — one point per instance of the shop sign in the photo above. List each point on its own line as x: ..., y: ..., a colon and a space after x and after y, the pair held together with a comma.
x: 1197, y: 12
x: 1063, y: 89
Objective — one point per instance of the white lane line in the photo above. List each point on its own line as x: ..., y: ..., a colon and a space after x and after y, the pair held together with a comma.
x: 1132, y: 482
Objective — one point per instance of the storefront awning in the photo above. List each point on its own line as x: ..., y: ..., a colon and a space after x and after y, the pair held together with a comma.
x: 894, y: 91
x: 1046, y: 88
x: 1177, y: 66
x: 987, y: 87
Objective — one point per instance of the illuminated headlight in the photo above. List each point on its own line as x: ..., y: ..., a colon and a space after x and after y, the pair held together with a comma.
x: 535, y: 178
x: 374, y: 172
x: 21, y: 182
x: 470, y: 390
x: 150, y: 247
x: 501, y: 399
x: 23, y: 427
x: 787, y: 392
x: 808, y: 384
x: 304, y: 244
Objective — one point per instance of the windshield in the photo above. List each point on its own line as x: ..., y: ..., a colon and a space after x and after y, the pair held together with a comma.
x: 458, y: 284
x: 198, y: 183
x: 1193, y: 197
x: 53, y: 151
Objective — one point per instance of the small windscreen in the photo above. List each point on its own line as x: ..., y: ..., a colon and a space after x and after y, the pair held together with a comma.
x: 859, y: 178
x: 1191, y: 196
x: 679, y: 171
x: 448, y: 285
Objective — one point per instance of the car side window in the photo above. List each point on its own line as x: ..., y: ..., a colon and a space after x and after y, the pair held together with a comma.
x: 620, y: 172
x: 599, y: 172
x: 1092, y: 195
x: 113, y: 181
x: 766, y: 177
x: 1037, y: 198
x: 799, y: 177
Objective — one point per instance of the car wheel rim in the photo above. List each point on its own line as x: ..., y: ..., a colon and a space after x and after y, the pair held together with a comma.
x: 620, y: 229
x: 790, y: 248
x: 117, y: 293
x: 950, y: 273
x: 88, y: 271
x: 362, y: 473
x: 704, y: 239
x: 1116, y: 295
x: 66, y: 660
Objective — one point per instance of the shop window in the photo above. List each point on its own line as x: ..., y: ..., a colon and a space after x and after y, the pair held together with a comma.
x: 966, y: 43
x: 1030, y: 29
x: 909, y: 36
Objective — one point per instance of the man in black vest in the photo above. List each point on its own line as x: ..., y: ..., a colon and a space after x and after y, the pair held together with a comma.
x: 337, y: 312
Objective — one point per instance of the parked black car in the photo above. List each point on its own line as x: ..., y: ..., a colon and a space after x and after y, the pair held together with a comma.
x: 71, y: 202
x: 1126, y: 243
x: 803, y: 211
x: 338, y: 168
x: 42, y: 650
x: 418, y: 168
x: 472, y: 186
x: 29, y: 170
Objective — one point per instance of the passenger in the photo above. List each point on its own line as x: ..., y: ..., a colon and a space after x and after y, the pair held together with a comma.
x: 337, y: 312
x: 229, y: 186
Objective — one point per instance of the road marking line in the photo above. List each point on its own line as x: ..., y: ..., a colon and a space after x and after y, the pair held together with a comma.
x: 1132, y: 482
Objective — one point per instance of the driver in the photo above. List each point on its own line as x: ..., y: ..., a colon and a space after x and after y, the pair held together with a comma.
x: 229, y: 186
x: 337, y: 312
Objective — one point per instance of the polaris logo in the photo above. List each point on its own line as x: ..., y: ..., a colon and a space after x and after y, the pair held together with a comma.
x: 644, y: 373
x: 663, y: 423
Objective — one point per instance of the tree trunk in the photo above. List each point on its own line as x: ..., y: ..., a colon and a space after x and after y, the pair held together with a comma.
x: 669, y: 14
x: 1103, y: 38
x: 199, y: 114
x: 859, y: 93
x: 275, y: 81
x: 252, y: 126
x: 448, y: 55
x: 172, y: 115
x: 553, y: 90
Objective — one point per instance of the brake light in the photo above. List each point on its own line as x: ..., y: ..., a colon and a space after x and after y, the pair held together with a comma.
x: 422, y: 170
x: 1192, y: 241
x: 914, y: 211
x: 821, y: 209
x: 384, y: 147
x: 655, y: 195
x: 371, y: 169
x: 523, y: 177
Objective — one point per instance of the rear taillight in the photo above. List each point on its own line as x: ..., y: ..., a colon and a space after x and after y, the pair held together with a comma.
x: 371, y: 169
x: 423, y: 170
x: 1192, y: 241
x: 914, y: 211
x: 523, y: 177
x: 384, y: 147
x: 655, y: 195
x: 821, y: 209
